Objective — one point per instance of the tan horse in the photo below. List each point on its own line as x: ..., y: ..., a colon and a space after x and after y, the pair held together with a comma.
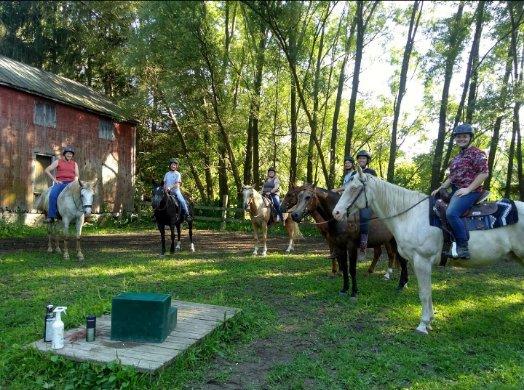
x: 74, y: 203
x: 260, y: 214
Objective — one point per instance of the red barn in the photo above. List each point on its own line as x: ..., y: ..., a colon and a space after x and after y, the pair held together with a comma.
x: 40, y: 113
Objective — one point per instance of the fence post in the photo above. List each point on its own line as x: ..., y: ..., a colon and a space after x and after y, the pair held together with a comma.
x: 224, y: 212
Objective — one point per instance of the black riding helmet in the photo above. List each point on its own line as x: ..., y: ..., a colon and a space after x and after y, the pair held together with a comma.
x: 350, y: 159
x: 68, y: 149
x: 464, y: 128
x: 173, y: 161
x: 364, y: 153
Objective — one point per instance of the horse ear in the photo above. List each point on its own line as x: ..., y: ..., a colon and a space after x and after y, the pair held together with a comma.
x: 360, y: 173
x: 321, y: 194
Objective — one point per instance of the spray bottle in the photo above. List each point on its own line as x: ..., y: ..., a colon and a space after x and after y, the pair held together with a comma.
x: 48, y: 323
x: 58, y: 328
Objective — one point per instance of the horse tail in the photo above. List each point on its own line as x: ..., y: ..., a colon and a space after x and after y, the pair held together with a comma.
x: 39, y: 203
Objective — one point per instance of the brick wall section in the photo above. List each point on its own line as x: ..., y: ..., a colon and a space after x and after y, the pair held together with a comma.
x: 112, y: 163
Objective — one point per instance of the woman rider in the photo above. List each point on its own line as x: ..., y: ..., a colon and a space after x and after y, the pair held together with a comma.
x: 271, y: 188
x: 363, y: 159
x: 349, y: 171
x: 172, y: 182
x: 66, y: 172
x: 467, y: 172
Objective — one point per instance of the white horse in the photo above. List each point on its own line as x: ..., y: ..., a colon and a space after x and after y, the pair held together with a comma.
x: 74, y: 203
x: 406, y: 214
x: 260, y: 213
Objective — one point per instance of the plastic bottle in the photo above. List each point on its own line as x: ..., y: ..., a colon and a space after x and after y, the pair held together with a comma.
x: 58, y: 328
x: 48, y: 323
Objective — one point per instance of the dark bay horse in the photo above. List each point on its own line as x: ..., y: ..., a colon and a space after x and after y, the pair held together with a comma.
x: 343, y: 236
x: 291, y: 199
x: 166, y: 211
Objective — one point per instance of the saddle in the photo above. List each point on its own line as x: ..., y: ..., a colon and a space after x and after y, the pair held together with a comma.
x: 268, y: 202
x: 482, y: 216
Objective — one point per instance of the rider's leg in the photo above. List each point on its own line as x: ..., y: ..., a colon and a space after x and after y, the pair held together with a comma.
x: 365, y: 215
x: 52, y: 211
x: 182, y: 202
x: 457, y: 207
x: 276, y: 203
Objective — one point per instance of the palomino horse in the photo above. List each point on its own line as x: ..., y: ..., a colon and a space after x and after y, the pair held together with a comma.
x: 291, y: 199
x: 260, y: 214
x: 167, y: 212
x: 74, y: 203
x: 343, y: 236
x: 405, y: 213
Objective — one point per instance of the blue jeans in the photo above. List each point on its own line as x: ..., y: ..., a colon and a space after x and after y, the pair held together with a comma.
x: 181, y: 199
x: 365, y: 216
x: 56, y: 189
x: 276, y: 204
x: 458, y: 206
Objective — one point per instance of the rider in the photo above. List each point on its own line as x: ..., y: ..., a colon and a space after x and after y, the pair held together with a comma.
x: 467, y: 172
x: 363, y: 159
x: 271, y: 188
x: 172, y: 182
x: 66, y: 172
x: 349, y: 171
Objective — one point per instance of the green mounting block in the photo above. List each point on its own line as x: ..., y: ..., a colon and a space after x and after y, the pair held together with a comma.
x: 143, y: 317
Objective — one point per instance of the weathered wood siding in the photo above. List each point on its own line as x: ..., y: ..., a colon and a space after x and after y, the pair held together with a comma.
x: 111, y: 162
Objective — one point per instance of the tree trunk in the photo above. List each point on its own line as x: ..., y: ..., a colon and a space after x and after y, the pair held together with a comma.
x: 248, y: 164
x: 413, y: 25
x: 294, y: 133
x: 338, y: 101
x: 448, y: 73
x: 356, y: 76
x: 471, y: 74
x: 207, y: 164
x: 498, y: 122
x: 511, y: 157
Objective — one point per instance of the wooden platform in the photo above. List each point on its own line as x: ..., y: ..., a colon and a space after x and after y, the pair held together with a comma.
x: 195, y: 321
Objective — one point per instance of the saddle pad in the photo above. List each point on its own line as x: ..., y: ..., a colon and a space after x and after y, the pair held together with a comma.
x: 506, y: 214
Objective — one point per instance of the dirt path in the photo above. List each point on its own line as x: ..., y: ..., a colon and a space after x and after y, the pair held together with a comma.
x: 207, y: 241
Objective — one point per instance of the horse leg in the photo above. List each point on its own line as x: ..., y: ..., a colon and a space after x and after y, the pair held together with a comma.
x: 391, y: 261
x: 423, y: 271
x: 66, y: 237
x: 264, y: 239
x: 178, y: 236
x: 162, y: 230
x: 255, y: 233
x: 79, y: 224
x: 289, y: 228
x: 172, y: 230
x: 49, y: 239
x: 190, y: 225
x: 377, y: 252
x: 343, y: 263
x: 353, y: 257
x: 56, y: 234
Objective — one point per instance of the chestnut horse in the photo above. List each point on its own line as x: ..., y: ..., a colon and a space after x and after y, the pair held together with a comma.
x: 291, y: 199
x: 260, y: 214
x: 343, y: 236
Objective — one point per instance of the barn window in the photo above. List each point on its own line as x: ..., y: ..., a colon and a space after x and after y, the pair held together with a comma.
x: 106, y: 129
x: 45, y: 115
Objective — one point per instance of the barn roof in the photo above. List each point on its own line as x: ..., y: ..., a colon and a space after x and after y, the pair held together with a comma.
x: 32, y: 80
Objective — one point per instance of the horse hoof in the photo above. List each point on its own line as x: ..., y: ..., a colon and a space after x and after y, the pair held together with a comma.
x: 387, y: 277
x: 342, y: 293
x: 263, y: 254
x: 162, y: 254
x: 57, y: 250
x: 80, y: 257
x: 192, y: 247
x: 49, y: 250
x: 66, y: 257
x: 422, y: 329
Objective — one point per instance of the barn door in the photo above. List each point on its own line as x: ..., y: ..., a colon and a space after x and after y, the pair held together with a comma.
x: 40, y: 180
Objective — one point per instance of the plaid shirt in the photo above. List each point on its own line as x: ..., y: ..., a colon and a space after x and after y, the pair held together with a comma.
x: 466, y: 166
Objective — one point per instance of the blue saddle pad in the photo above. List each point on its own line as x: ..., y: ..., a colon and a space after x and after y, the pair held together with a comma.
x: 506, y: 214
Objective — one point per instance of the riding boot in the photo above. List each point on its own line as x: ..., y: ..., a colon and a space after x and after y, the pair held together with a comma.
x: 462, y: 250
x: 363, y: 242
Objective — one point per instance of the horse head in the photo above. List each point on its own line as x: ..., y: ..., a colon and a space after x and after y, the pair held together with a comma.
x: 354, y: 197
x: 247, y: 195
x: 307, y: 201
x: 157, y: 194
x: 291, y: 198
x: 86, y: 195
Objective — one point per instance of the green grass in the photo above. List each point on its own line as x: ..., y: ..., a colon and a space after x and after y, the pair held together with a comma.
x: 294, y: 328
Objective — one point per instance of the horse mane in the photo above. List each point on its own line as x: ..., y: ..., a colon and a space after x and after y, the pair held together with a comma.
x: 394, y: 198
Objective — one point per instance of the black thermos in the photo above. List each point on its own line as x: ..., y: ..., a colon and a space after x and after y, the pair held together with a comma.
x: 90, y: 328
x: 48, y: 323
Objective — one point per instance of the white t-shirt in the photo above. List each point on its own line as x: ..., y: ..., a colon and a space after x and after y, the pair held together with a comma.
x: 171, y: 178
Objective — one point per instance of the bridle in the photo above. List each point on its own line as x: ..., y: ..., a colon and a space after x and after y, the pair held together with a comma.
x: 307, y: 210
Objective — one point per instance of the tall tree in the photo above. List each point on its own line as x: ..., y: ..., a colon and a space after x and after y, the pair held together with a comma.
x: 412, y: 31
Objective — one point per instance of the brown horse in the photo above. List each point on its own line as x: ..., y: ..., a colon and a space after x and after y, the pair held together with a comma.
x: 260, y: 213
x: 291, y: 199
x: 343, y: 236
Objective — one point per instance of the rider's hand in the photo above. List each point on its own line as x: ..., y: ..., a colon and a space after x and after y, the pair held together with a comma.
x: 434, y: 192
x: 462, y: 191
x: 57, y: 181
